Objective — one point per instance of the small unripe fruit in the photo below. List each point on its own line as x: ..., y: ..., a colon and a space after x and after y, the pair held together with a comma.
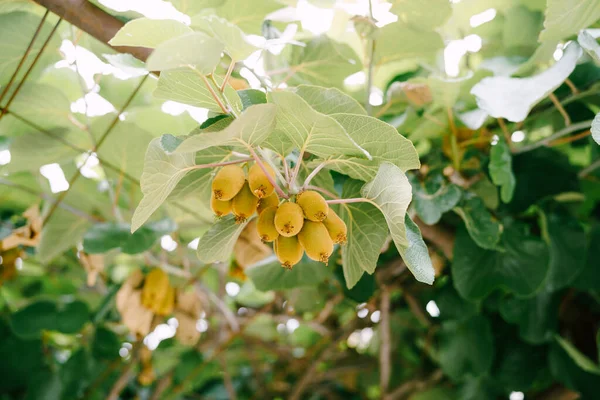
x: 266, y: 202
x: 220, y: 208
x: 228, y: 182
x: 288, y: 250
x: 336, y: 227
x: 289, y: 219
x: 259, y: 183
x: 313, y: 204
x: 244, y: 204
x: 316, y: 241
x: 155, y: 289
x: 266, y: 225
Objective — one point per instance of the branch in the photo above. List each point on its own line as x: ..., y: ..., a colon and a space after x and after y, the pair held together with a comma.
x: 414, y: 385
x: 227, y: 379
x: 313, y: 174
x: 125, y: 376
x: 385, y: 349
x: 227, y: 75
x: 563, y: 132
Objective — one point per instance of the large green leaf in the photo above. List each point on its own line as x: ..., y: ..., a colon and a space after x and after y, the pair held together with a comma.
x: 422, y: 13
x: 270, y: 275
x: 43, y: 104
x: 146, y: 32
x: 217, y: 244
x: 378, y: 139
x: 236, y: 44
x: 391, y: 192
x: 466, y: 347
x: 309, y: 130
x: 483, y: 227
x: 566, y: 18
x: 192, y: 49
x: 110, y: 235
x: 513, y: 98
x: 248, y: 15
x: 156, y: 122
x: 434, y: 197
x: 322, y: 61
x: 521, y: 27
x: 252, y: 128
x: 329, y: 100
x: 401, y: 41
x: 61, y: 232
x: 501, y: 170
x: 30, y: 321
x: 520, y: 268
x: 367, y: 233
x: 161, y: 174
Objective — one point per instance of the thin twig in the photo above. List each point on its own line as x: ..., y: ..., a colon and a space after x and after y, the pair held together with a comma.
x: 416, y: 309
x: 324, y: 191
x: 570, y: 139
x: 571, y: 86
x: 232, y: 395
x: 414, y: 385
x: 24, y: 57
x: 345, y: 201
x: 257, y: 159
x: 385, y: 349
x: 161, y: 386
x: 453, y: 140
x: 563, y: 132
x: 586, y: 171
x: 314, y: 173
x: 125, y: 376
x: 211, y: 90
x: 506, y: 134
x: 227, y: 75
x: 560, y: 108
x: 227, y: 313
x: 296, y: 170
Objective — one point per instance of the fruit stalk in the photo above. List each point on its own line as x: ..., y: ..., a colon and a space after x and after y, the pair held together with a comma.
x: 257, y: 159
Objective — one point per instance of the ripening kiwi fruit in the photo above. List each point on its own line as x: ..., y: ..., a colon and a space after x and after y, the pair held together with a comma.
x: 228, y: 182
x: 220, y: 208
x: 289, y: 219
x: 156, y: 286
x: 288, y: 250
x: 166, y: 307
x: 259, y: 183
x: 266, y: 225
x: 316, y: 241
x: 313, y: 204
x: 266, y: 202
x: 244, y: 204
x: 336, y: 227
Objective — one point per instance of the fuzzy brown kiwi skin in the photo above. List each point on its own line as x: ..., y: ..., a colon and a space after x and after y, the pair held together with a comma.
x: 266, y: 202
x: 315, y: 240
x: 289, y: 219
x: 220, y: 208
x: 288, y: 250
x: 266, y: 225
x: 313, y: 204
x: 228, y: 182
x: 244, y: 204
x: 259, y: 182
x: 336, y: 227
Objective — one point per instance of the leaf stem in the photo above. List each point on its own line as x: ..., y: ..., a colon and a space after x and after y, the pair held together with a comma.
x: 560, y: 108
x: 296, y: 170
x: 453, y: 140
x: 345, y: 201
x: 313, y: 174
x: 589, y: 169
x: 506, y: 134
x: 257, y: 159
x: 324, y: 191
x: 219, y: 164
x: 563, y: 132
x: 211, y: 90
x: 227, y: 75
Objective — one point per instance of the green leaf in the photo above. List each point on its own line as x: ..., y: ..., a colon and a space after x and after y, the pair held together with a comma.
x: 391, y: 192
x: 248, y: 15
x: 513, y: 98
x: 415, y: 43
x: 251, y: 97
x: 520, y: 269
x: 106, y: 344
x: 251, y: 128
x: 566, y: 371
x: 378, y: 139
x: 537, y: 317
x: 501, y: 170
x: 329, y: 100
x: 580, y: 359
x: 31, y: 320
x: 596, y: 128
x: 322, y: 61
x: 466, y: 347
x: 483, y: 227
x: 422, y: 13
x: 567, y: 242
x: 63, y: 231
x: 156, y: 122
x: 146, y: 32
x: 217, y: 244
x: 161, y: 174
x: 309, y: 130
x: 187, y: 87
x: 44, y: 385
x: 270, y: 275
x: 589, y: 277
x: 43, y: 104
x: 589, y: 44
x: 72, y: 316
x: 521, y: 27
x: 566, y: 18
x: 236, y: 44
x: 192, y: 49
x: 518, y: 365
x: 114, y: 235
x: 367, y: 234
x: 434, y: 197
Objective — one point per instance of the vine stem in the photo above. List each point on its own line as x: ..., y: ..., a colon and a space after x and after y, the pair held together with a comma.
x: 345, y: 201
x: 257, y: 159
x: 220, y: 164
x: 586, y: 171
x: 227, y: 75
x: 563, y: 132
x: 313, y: 174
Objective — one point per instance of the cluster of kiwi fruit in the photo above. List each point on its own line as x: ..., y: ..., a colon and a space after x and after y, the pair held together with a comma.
x: 306, y: 224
